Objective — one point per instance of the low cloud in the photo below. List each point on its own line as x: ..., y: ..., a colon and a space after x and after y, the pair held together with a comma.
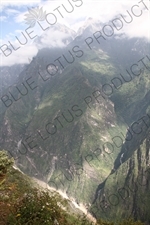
x: 21, y: 56
x: 53, y: 38
x: 100, y: 11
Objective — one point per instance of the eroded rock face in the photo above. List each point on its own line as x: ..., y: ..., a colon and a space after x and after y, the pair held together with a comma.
x: 127, y: 189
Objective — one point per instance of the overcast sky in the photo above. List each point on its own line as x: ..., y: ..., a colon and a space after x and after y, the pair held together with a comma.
x: 12, y: 19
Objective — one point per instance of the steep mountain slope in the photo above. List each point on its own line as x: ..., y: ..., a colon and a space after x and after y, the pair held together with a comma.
x: 76, y: 134
x: 9, y: 75
x: 126, y: 192
x: 63, y: 125
x: 24, y: 200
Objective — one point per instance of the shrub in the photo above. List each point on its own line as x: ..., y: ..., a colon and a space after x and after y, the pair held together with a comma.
x: 36, y: 208
x: 5, y: 162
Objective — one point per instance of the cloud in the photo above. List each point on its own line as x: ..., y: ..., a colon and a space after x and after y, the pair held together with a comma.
x: 21, y: 56
x: 53, y: 38
x: 3, y: 18
x: 18, y: 3
x: 139, y: 27
x: 49, y: 7
x: 20, y: 17
x: 108, y: 10
x: 98, y: 10
x: 11, y: 12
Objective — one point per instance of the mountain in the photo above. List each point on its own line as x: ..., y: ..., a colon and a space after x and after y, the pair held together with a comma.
x: 9, y: 75
x: 21, y: 195
x: 90, y: 27
x: 75, y: 122
x: 55, y: 36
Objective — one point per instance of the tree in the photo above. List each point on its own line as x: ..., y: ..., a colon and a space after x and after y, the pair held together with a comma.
x: 5, y: 162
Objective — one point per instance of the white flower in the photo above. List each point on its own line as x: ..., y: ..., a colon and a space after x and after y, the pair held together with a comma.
x: 35, y: 14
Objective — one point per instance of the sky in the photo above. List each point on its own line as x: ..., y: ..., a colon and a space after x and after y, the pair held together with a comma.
x: 13, y: 14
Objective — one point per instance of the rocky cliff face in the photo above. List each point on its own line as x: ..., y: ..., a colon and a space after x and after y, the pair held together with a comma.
x: 126, y: 191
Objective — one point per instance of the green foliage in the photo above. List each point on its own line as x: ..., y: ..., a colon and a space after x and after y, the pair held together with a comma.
x: 131, y: 222
x: 102, y: 222
x: 22, y: 204
x: 36, y: 208
x: 39, y: 207
x: 5, y: 162
x: 124, y: 222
